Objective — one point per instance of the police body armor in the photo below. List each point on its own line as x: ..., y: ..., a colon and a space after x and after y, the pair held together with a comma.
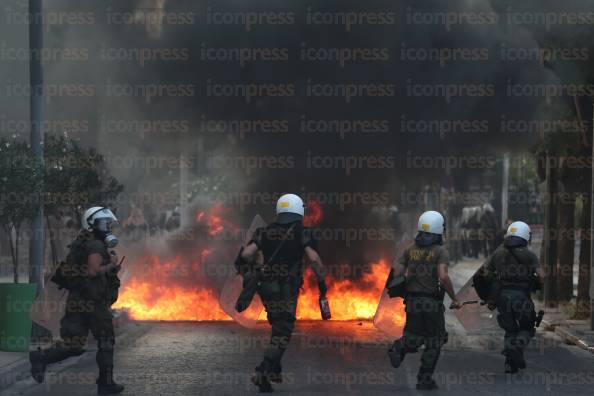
x: 514, y: 272
x: 71, y: 275
x: 423, y: 279
x: 282, y: 248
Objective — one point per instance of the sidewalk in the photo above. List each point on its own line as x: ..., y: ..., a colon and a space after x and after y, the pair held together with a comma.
x: 573, y: 332
x: 14, y: 366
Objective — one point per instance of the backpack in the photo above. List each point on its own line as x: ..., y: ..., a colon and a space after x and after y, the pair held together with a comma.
x: 71, y: 268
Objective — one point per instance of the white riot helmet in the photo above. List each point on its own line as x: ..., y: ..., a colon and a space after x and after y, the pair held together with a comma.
x: 432, y: 222
x: 289, y: 208
x: 98, y: 219
x: 519, y: 229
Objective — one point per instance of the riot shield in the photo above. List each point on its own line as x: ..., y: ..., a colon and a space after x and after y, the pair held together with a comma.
x: 49, y: 307
x: 234, y: 284
x: 389, y: 315
x: 474, y: 317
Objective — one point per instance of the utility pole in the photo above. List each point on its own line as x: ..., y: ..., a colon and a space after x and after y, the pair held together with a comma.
x: 36, y: 247
x: 505, y: 191
x: 183, y: 190
x: 549, y: 279
x: 592, y: 232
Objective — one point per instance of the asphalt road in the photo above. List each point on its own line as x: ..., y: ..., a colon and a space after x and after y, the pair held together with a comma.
x: 325, y: 358
x: 329, y: 359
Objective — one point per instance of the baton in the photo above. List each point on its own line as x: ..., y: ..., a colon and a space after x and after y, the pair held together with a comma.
x: 469, y: 302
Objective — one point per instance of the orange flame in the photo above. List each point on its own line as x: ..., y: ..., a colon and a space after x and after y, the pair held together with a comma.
x: 313, y: 214
x: 214, y: 220
x: 349, y: 299
x: 151, y: 295
x: 177, y: 289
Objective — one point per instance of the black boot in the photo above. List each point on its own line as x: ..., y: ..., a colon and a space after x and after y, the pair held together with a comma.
x: 511, y: 362
x: 38, y: 365
x: 276, y: 375
x: 425, y: 381
x: 105, y: 383
x: 510, y: 366
x: 521, y: 361
x: 261, y: 378
x: 396, y: 354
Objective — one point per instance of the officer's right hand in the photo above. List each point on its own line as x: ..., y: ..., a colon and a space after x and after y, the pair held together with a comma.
x: 455, y: 304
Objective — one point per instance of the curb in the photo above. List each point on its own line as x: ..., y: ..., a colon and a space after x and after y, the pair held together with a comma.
x: 567, y: 335
x: 573, y: 339
x: 19, y: 370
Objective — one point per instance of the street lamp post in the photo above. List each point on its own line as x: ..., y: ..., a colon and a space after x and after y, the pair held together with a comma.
x: 592, y: 231
x: 36, y: 247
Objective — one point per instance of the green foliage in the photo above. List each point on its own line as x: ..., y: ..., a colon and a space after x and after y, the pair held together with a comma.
x: 21, y: 181
x: 75, y: 177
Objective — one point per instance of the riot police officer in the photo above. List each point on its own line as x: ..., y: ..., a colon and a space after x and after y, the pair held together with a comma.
x: 514, y: 273
x: 90, y: 276
x: 280, y: 247
x: 425, y: 269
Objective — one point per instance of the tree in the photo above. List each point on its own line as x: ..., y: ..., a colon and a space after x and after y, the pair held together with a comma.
x: 579, y: 73
x: 75, y: 178
x: 21, y: 181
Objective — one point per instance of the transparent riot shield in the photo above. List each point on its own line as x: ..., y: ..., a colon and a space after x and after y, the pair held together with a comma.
x: 234, y: 284
x: 474, y: 317
x: 49, y: 307
x: 390, y: 316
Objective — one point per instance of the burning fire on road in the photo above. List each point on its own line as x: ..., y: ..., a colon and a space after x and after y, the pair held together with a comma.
x: 186, y: 287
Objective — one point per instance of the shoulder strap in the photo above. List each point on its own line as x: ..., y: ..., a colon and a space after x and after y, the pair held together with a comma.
x: 280, y: 245
x: 511, y: 251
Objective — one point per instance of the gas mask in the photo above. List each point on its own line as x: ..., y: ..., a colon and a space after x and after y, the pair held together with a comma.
x: 102, y: 229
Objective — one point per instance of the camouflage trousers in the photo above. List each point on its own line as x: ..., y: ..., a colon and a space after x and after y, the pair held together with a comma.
x: 280, y: 301
x: 74, y: 330
x: 425, y: 326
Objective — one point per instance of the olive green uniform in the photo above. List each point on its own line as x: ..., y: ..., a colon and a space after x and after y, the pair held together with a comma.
x: 425, y: 321
x: 514, y: 271
x: 87, y: 307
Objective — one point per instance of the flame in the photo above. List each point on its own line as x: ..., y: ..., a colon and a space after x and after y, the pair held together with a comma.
x: 349, y: 299
x: 179, y: 289
x: 147, y: 301
x: 170, y: 290
x: 313, y: 214
x: 214, y: 220
x: 157, y: 293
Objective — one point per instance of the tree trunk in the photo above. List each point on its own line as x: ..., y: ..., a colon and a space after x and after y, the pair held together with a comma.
x: 15, y: 272
x: 551, y: 290
x: 52, y: 241
x: 565, y: 246
x: 582, y: 310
